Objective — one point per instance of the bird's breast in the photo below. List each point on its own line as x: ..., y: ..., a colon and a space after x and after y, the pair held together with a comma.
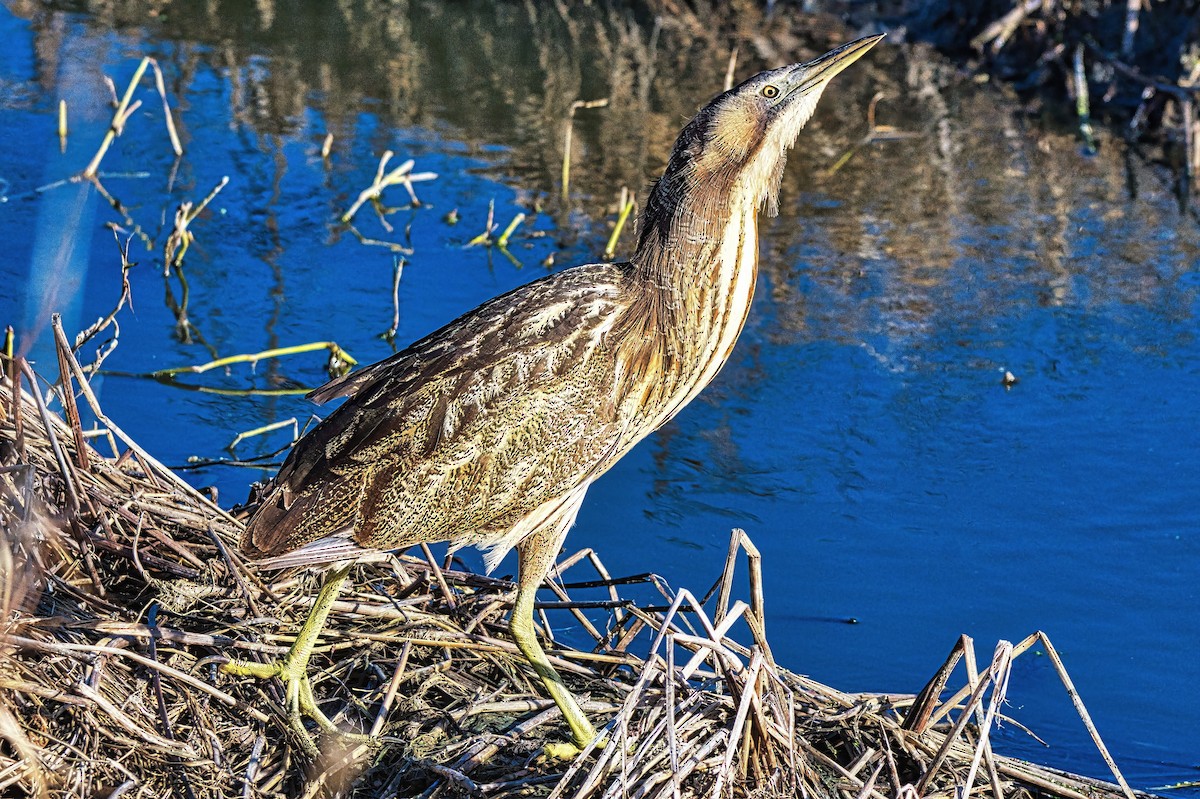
x: 734, y: 279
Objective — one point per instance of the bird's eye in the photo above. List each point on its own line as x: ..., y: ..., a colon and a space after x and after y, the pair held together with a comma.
x: 770, y: 91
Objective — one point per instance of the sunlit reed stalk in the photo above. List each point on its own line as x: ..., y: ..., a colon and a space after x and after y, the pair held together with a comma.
x: 1192, y: 142
x: 125, y: 109
x: 62, y: 125
x: 8, y: 358
x: 502, y: 242
x: 567, y: 136
x: 70, y: 409
x: 14, y: 379
x: 485, y: 238
x: 120, y: 117
x: 267, y: 428
x: 627, y: 205
x: 1132, y: 8
x: 326, y: 146
x: 337, y: 355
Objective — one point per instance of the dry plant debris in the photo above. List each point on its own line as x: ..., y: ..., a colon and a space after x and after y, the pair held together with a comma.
x: 1142, y: 58
x: 123, y: 592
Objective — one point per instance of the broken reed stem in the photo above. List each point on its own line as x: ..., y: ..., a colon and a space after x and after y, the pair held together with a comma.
x: 569, y: 134
x: 397, y: 272
x: 267, y: 428
x: 124, y: 110
x: 373, y: 242
x: 485, y: 238
x: 181, y: 237
x: 1001, y: 671
x: 1077, y: 701
x: 104, y: 322
x: 735, y: 735
x: 56, y: 448
x: 400, y: 176
x: 335, y: 352
x: 9, y: 343
x: 120, y: 116
x: 176, y: 147
x: 999, y: 32
x: 983, y: 722
x: 120, y: 208
x: 71, y: 411
x: 502, y: 242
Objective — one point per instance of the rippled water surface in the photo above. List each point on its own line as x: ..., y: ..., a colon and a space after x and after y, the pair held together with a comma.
x: 861, y: 433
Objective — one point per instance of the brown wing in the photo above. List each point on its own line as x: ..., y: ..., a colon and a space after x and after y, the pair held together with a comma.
x: 466, y: 431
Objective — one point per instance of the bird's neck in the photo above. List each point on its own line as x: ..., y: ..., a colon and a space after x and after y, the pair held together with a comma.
x: 698, y: 251
x: 696, y: 281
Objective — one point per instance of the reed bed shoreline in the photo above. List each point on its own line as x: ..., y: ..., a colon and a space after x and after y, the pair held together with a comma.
x: 123, y: 593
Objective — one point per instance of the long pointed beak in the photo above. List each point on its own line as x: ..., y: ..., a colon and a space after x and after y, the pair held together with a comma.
x: 821, y: 70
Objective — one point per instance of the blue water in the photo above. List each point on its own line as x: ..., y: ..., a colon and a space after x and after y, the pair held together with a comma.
x: 861, y: 434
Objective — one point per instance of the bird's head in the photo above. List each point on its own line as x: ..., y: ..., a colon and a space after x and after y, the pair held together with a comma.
x: 739, y: 141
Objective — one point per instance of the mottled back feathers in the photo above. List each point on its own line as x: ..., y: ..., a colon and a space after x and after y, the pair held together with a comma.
x: 466, y: 431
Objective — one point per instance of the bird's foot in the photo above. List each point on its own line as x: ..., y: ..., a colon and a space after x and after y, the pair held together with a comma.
x: 300, y: 701
x: 563, y: 750
x: 292, y: 668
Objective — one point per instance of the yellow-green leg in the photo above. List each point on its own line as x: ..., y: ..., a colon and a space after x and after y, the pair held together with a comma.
x: 292, y: 668
x: 537, y: 554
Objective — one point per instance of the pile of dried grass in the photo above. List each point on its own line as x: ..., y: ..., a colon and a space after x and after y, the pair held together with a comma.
x: 123, y: 594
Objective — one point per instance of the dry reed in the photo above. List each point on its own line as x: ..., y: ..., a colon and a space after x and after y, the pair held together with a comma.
x: 123, y: 592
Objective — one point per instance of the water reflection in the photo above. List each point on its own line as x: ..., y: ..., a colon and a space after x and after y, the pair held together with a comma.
x: 861, y: 433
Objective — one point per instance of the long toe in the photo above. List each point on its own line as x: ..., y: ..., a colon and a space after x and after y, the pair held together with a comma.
x: 297, y: 690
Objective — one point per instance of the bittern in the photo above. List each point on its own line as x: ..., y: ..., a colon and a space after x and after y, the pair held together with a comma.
x: 490, y: 430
